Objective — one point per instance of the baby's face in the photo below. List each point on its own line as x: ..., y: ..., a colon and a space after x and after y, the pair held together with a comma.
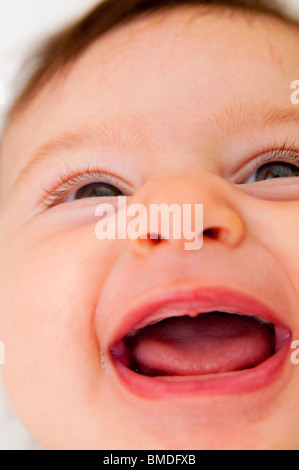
x: 182, y: 108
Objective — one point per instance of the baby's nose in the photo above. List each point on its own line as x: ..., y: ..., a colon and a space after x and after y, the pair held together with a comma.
x: 197, y: 201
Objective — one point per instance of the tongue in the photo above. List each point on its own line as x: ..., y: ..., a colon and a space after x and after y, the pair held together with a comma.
x: 208, y: 344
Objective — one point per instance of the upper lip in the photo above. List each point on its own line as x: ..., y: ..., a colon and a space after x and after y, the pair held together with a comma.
x: 192, y: 301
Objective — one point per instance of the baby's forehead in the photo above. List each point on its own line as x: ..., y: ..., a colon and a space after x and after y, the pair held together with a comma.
x: 176, y: 65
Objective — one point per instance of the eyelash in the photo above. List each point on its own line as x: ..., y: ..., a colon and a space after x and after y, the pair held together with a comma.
x: 269, y: 155
x: 70, y: 178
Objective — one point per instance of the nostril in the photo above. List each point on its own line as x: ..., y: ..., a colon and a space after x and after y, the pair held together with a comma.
x: 154, y: 238
x: 213, y: 233
x: 145, y: 243
x: 150, y: 239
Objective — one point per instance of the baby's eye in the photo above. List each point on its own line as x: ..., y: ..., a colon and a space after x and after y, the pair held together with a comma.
x: 88, y: 184
x: 96, y: 190
x: 273, y: 170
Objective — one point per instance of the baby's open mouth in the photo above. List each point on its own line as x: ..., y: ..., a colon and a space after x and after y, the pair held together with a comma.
x: 202, y: 341
x: 209, y: 343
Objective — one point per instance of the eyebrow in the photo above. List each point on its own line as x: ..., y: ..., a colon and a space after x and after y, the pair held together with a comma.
x: 232, y: 120
x: 121, y: 131
x: 127, y: 134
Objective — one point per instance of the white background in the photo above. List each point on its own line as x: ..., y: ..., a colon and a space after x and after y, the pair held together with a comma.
x: 23, y: 24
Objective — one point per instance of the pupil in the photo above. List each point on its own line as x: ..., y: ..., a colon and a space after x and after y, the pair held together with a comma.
x: 97, y: 190
x: 272, y: 171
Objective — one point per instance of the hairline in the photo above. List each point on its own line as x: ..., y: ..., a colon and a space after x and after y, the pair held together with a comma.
x: 58, y: 67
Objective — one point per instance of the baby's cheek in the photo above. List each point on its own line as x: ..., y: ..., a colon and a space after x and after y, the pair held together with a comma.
x: 50, y: 289
x: 280, y: 234
x: 275, y: 227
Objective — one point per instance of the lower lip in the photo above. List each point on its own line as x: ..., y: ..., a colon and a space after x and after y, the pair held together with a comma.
x: 230, y: 383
